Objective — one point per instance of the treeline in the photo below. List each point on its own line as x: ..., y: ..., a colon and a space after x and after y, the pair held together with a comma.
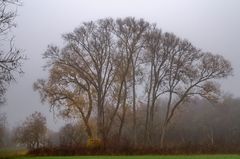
x: 108, y: 71
x: 198, y: 127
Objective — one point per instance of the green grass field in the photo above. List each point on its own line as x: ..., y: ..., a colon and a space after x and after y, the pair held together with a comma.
x: 141, y: 157
x: 11, y: 152
x: 17, y: 153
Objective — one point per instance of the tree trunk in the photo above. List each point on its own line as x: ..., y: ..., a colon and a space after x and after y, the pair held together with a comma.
x: 100, y: 119
x: 134, y: 106
x: 89, y: 131
x: 162, y: 137
x: 124, y: 111
x: 151, y: 119
x: 146, y: 131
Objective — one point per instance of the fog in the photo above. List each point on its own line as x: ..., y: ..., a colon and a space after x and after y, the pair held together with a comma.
x: 210, y: 25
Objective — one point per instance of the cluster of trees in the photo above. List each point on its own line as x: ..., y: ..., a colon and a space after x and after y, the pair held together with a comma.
x: 197, y: 123
x: 203, y: 123
x: 125, y: 81
x: 112, y: 74
x: 33, y: 133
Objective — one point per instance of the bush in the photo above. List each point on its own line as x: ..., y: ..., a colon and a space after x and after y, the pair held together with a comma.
x: 94, y: 143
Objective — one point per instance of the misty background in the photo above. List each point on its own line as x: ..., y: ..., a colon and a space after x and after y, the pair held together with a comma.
x: 210, y: 25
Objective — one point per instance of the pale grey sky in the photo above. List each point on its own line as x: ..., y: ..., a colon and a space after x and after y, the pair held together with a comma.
x: 212, y: 25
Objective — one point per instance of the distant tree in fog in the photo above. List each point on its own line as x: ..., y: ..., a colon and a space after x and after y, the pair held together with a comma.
x: 72, y: 135
x: 32, y: 132
x: 2, y: 127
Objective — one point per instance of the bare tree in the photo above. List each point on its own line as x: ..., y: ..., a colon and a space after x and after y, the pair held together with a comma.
x: 190, y: 72
x: 10, y: 57
x: 156, y: 62
x: 7, y: 15
x: 63, y: 93
x: 87, y: 62
x: 130, y: 33
x: 120, y: 87
x: 32, y: 132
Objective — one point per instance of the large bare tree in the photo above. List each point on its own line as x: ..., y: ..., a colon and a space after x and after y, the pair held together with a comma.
x: 86, y: 72
x: 189, y: 72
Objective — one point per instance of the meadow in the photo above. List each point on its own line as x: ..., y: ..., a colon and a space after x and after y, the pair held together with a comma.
x: 11, y: 152
x: 137, y: 157
x: 23, y: 154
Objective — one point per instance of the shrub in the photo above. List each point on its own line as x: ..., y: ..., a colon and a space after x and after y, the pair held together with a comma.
x: 94, y: 143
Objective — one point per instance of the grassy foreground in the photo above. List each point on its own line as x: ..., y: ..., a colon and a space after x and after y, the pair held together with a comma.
x: 11, y: 152
x: 140, y: 157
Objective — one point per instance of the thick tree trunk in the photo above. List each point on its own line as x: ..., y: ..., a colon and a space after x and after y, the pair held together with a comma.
x: 88, y: 130
x: 100, y: 119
